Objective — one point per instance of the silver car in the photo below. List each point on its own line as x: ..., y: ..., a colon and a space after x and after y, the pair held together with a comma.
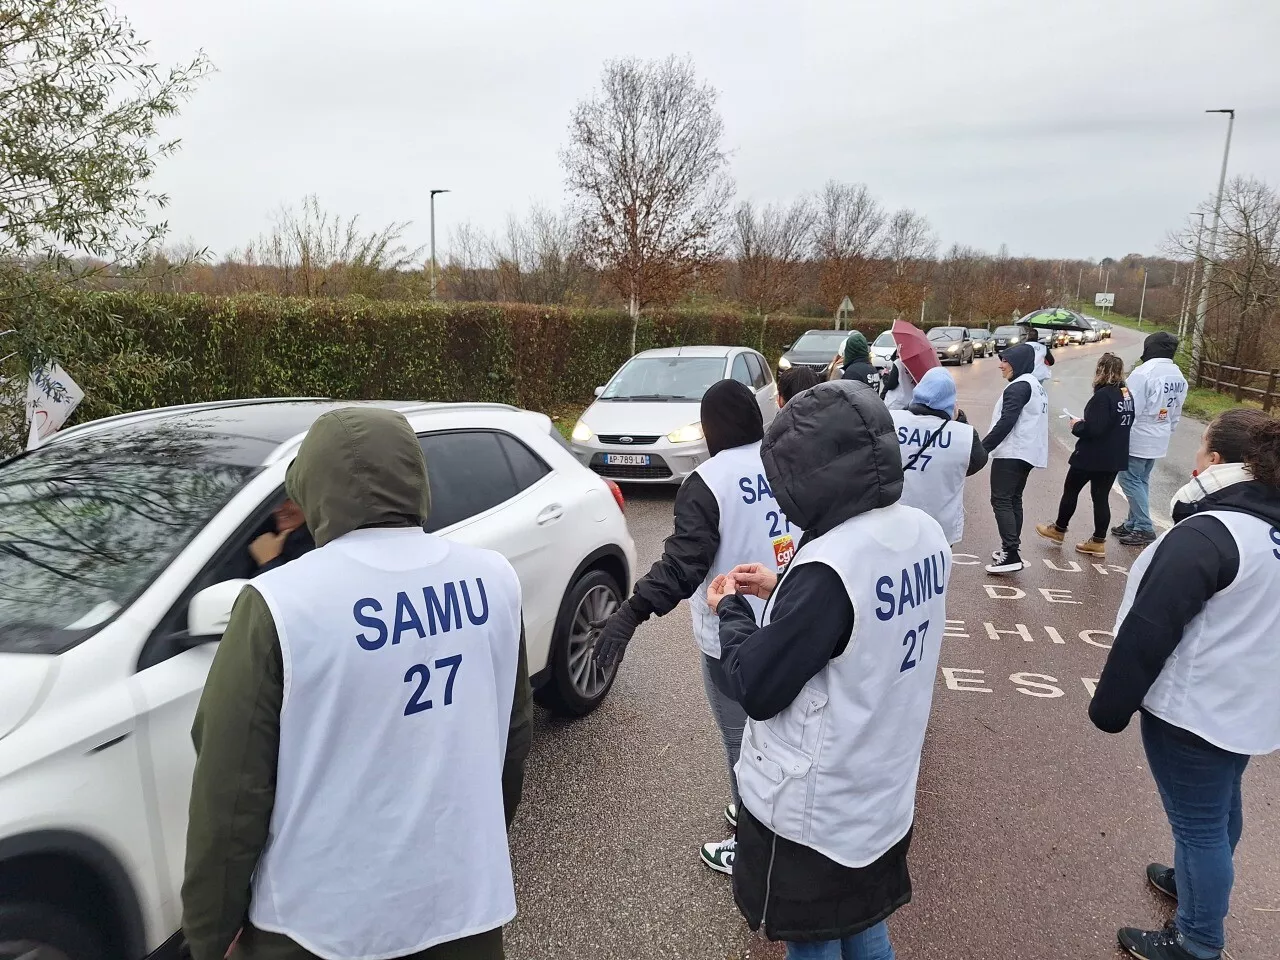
x: 644, y: 425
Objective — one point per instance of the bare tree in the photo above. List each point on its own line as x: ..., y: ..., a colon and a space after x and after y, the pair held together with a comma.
x: 959, y: 275
x: 769, y: 247
x: 909, y: 251
x: 649, y: 173
x: 846, y: 234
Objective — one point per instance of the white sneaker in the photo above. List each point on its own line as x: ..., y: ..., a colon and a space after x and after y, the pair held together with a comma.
x: 720, y: 856
x: 731, y: 815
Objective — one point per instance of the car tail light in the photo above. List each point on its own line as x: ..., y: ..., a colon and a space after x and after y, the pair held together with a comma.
x: 617, y: 495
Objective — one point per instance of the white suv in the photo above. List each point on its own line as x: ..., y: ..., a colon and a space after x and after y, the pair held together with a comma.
x: 123, y: 543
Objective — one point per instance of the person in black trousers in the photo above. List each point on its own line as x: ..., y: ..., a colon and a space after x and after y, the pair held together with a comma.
x: 1102, y: 451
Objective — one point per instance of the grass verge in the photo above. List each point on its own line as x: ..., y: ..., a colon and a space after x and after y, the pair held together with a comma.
x: 1205, y: 404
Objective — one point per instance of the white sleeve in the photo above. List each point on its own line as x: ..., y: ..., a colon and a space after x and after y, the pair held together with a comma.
x: 1137, y: 384
x: 1175, y: 410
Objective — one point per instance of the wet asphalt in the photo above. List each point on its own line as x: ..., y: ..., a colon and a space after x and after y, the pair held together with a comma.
x: 1033, y: 829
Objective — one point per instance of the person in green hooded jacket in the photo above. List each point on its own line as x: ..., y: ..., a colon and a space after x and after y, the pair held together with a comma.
x: 265, y: 776
x: 857, y: 361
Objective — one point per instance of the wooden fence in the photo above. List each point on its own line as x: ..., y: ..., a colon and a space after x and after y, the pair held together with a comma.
x: 1238, y: 381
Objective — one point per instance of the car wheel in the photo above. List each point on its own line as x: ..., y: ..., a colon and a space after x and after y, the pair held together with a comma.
x: 578, y: 685
x: 33, y: 931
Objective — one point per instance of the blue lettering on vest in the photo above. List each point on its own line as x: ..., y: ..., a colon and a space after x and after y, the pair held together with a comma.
x: 884, y: 593
x: 902, y: 435
x: 944, y: 440
x: 443, y: 618
x: 925, y: 580
x: 406, y: 618
x: 906, y: 599
x: 753, y: 490
x: 366, y: 621
x: 483, y: 616
x: 1275, y: 538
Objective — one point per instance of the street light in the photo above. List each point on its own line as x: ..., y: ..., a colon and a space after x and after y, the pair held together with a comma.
x: 1191, y: 280
x: 433, y: 241
x: 1202, y: 308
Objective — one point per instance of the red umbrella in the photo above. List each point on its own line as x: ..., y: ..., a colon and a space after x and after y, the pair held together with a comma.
x: 918, y: 355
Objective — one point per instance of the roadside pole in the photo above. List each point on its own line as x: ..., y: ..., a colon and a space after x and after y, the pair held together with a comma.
x: 1143, y: 302
x: 1202, y: 308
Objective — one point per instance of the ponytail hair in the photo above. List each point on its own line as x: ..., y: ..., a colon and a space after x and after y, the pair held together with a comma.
x: 1109, y: 372
x: 1250, y: 437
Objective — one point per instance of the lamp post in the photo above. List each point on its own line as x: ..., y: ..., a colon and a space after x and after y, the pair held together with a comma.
x: 1143, y: 302
x: 1191, y: 280
x: 1202, y: 308
x: 433, y: 241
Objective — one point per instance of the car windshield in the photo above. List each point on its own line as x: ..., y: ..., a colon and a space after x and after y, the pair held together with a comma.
x: 821, y: 341
x: 979, y: 333
x: 1008, y: 332
x: 946, y: 333
x: 85, y: 526
x: 884, y: 340
x: 665, y: 378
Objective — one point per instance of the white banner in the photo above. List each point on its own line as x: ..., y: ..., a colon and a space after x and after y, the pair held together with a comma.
x: 52, y: 396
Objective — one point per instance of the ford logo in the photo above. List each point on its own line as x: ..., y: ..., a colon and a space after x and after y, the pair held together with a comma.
x: 626, y: 440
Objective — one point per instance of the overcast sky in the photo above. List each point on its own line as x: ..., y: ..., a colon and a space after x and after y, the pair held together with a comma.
x: 1064, y: 129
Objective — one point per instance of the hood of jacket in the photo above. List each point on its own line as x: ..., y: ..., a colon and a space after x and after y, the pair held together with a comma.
x: 359, y: 467
x: 832, y: 454
x: 731, y: 416
x: 1248, y: 496
x: 1161, y: 344
x: 856, y: 349
x: 1022, y: 358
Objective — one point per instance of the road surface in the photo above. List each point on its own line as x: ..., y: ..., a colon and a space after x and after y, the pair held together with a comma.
x: 1033, y: 829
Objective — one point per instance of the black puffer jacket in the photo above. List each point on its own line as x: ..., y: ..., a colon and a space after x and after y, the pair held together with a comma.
x: 830, y: 455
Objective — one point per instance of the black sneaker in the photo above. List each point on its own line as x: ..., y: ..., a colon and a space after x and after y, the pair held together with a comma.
x: 1121, y: 530
x: 1166, y: 944
x: 1005, y: 561
x: 1138, y: 538
x: 1162, y: 878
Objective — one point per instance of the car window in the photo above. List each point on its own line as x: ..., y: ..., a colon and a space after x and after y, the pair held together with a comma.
x: 740, y: 372
x: 948, y: 333
x: 527, y: 467
x: 469, y: 472
x: 821, y: 341
x: 884, y: 340
x: 664, y: 378
x: 759, y: 377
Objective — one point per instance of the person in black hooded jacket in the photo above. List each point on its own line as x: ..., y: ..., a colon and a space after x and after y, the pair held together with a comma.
x: 857, y: 361
x: 823, y: 873
x: 710, y: 514
x: 1202, y: 668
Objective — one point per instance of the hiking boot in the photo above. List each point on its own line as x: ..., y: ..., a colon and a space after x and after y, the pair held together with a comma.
x: 1162, y: 878
x: 1138, y: 538
x: 719, y: 856
x: 731, y: 815
x: 1005, y: 561
x: 1166, y: 944
x: 1050, y: 531
x: 1121, y: 530
x: 1093, y: 547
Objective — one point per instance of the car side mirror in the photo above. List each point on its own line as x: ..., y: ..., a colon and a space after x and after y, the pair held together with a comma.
x: 210, y: 610
x: 787, y: 347
x: 599, y: 391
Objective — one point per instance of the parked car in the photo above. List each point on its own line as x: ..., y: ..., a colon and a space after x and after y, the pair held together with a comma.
x: 953, y: 344
x: 123, y: 544
x: 883, y: 349
x: 1100, y: 327
x: 644, y: 426
x: 984, y: 343
x: 814, y: 349
x: 1007, y: 336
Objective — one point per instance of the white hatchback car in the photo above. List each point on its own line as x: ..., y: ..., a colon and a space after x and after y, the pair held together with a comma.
x: 123, y: 543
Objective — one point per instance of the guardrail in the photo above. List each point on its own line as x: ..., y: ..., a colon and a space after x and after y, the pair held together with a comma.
x: 1239, y: 381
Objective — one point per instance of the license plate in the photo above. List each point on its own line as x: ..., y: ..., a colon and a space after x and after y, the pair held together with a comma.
x: 626, y: 460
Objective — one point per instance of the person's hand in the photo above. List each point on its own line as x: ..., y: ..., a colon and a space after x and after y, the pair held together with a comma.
x: 754, y: 580
x: 267, y: 547
x: 615, y: 634
x: 721, y: 587
x: 1074, y: 421
x: 960, y: 417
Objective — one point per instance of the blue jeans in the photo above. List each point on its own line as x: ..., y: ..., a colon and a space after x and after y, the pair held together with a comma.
x: 1136, y: 484
x: 871, y: 944
x: 1200, y: 787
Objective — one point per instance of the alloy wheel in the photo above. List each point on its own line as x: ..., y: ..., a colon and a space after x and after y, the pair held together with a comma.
x: 588, y: 677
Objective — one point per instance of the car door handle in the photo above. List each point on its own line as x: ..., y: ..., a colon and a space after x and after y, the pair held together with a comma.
x: 550, y: 514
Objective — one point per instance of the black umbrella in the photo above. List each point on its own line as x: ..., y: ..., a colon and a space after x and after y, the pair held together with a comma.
x: 1055, y: 318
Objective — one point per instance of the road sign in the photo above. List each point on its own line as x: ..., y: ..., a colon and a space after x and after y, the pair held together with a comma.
x: 1104, y: 299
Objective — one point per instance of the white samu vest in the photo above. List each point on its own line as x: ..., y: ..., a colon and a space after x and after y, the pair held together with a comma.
x: 1221, y: 681
x: 388, y: 834
x: 753, y: 529
x: 836, y: 770
x: 935, y: 481
x: 1029, y: 438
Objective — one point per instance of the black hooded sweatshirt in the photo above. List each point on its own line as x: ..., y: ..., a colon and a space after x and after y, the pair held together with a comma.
x: 1195, y: 560
x: 831, y: 454
x: 1023, y: 360
x: 730, y: 418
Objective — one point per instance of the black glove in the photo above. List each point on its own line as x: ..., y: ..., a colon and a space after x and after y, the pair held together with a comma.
x: 615, y: 634
x: 960, y: 417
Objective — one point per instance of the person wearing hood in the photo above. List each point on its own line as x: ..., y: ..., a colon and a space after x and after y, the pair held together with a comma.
x: 1044, y: 356
x: 857, y: 361
x: 361, y: 738
x: 939, y: 450
x: 1158, y: 389
x: 726, y: 514
x: 1195, y: 654
x: 897, y: 385
x: 1018, y: 442
x: 838, y: 702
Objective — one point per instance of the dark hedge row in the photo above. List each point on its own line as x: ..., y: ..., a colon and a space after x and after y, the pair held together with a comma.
x: 131, y: 351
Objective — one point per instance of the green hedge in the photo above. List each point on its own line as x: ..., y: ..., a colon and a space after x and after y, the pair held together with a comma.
x: 132, y: 351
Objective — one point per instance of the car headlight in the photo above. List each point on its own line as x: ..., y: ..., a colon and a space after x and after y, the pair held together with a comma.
x: 784, y: 364
x: 581, y: 432
x: 689, y: 434
x: 1013, y: 340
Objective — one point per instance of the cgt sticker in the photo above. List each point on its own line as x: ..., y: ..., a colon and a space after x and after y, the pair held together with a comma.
x: 784, y: 549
